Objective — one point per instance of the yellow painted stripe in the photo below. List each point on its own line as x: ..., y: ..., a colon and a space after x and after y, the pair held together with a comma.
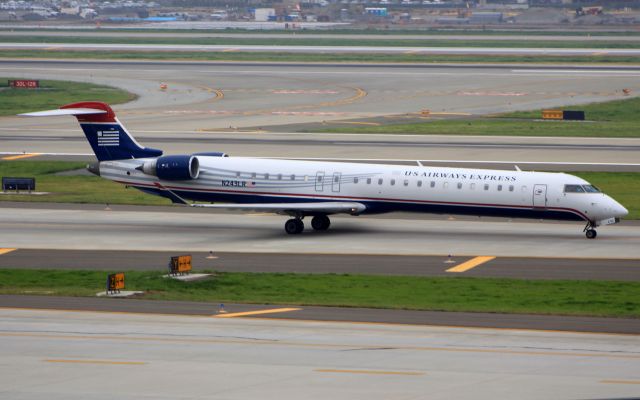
x: 96, y: 362
x: 258, y: 312
x: 620, y: 382
x: 474, y: 262
x: 451, y: 113
x: 19, y: 156
x: 370, y: 372
x: 5, y: 251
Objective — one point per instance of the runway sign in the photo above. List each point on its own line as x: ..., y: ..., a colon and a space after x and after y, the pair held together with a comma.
x: 552, y: 114
x: 180, y: 265
x: 115, y: 282
x: 24, y: 83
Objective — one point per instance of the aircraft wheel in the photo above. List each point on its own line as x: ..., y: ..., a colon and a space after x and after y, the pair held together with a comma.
x: 294, y: 226
x: 320, y: 222
x: 591, y: 234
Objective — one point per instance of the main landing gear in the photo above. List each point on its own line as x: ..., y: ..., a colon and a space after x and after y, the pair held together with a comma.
x: 295, y: 225
x: 589, y: 231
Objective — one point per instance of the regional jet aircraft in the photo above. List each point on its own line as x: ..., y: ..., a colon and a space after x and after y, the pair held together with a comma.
x: 319, y: 189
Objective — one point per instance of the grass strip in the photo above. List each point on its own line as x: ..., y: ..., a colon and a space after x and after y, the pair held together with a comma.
x: 622, y: 186
x: 617, y: 118
x: 586, y: 298
x: 314, y: 57
x: 323, y: 41
x: 52, y: 94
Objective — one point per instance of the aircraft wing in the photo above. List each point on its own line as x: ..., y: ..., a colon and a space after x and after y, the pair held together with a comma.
x: 324, y: 207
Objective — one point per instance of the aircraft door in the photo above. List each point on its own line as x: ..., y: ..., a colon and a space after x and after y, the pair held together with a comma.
x: 335, y: 183
x: 540, y: 196
x: 319, y: 181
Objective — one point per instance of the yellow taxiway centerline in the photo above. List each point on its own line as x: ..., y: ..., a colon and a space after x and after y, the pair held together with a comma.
x: 620, y: 382
x: 5, y: 251
x: 257, y: 312
x: 97, y: 362
x: 19, y: 156
x: 361, y: 371
x: 474, y: 262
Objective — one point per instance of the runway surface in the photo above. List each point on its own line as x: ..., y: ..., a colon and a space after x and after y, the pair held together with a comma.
x: 71, y: 355
x: 137, y: 228
x: 629, y: 326
x: 220, y: 107
x: 427, y: 265
x: 522, y: 51
x: 104, y: 32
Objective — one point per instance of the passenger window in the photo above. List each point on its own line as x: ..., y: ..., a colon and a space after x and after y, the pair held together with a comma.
x: 355, y: 180
x: 336, y: 178
x: 524, y: 189
x: 319, y: 178
x: 486, y: 186
x: 419, y: 183
x: 445, y: 185
x: 393, y: 182
x: 368, y: 181
x: 279, y: 177
x: 473, y: 186
x: 238, y: 174
x: 459, y: 185
x: 573, y: 189
x: 253, y: 174
x: 293, y: 177
x: 380, y: 181
x: 306, y: 178
x: 511, y: 188
x: 406, y: 182
x: 499, y: 188
x: 266, y: 176
x: 433, y: 184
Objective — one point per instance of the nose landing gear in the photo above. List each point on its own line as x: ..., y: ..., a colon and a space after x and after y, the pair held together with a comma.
x: 589, y: 231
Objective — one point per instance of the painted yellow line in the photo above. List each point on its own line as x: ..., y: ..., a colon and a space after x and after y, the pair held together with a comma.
x: 19, y: 156
x: 474, y: 262
x: 620, y: 382
x: 370, y: 372
x: 5, y: 251
x: 96, y: 362
x: 258, y: 312
x: 229, y: 50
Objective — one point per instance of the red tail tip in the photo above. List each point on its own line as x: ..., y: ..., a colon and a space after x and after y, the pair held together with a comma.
x: 110, y: 116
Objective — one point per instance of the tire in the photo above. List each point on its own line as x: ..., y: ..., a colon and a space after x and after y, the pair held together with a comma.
x: 293, y: 226
x: 591, y: 234
x: 320, y: 223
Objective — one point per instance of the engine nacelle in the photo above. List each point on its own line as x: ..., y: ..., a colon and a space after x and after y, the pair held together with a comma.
x: 173, y: 168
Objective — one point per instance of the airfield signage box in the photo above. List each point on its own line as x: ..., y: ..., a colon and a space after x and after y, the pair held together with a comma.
x: 115, y: 282
x: 24, y: 83
x: 180, y: 265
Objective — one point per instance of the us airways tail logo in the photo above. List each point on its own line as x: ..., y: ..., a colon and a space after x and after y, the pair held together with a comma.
x: 108, y: 138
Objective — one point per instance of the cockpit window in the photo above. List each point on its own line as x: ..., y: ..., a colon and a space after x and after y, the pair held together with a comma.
x: 591, y: 189
x: 573, y: 189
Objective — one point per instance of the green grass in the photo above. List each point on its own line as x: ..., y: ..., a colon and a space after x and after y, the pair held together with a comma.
x: 320, y: 41
x: 618, y: 118
x: 313, y: 57
x: 622, y: 186
x: 72, y: 189
x: 588, y: 298
x: 52, y: 94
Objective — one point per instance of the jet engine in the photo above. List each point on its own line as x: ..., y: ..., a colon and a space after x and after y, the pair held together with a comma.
x: 173, y: 168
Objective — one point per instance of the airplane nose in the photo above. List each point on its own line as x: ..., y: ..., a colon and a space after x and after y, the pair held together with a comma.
x: 618, y: 209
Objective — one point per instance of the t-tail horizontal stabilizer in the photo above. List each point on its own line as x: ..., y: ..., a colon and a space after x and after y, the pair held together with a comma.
x: 108, y: 138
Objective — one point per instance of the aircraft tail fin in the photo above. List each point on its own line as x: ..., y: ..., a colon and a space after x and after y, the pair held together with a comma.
x: 108, y: 138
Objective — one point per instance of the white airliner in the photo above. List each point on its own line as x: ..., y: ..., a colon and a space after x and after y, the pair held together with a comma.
x: 318, y: 189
